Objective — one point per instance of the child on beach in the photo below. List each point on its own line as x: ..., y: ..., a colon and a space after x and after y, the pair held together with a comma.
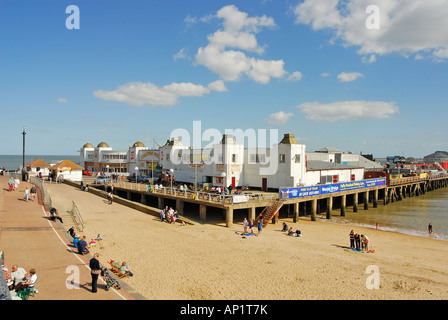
x: 27, y: 194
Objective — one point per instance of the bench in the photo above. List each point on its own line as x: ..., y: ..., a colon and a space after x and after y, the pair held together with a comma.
x: 117, y: 271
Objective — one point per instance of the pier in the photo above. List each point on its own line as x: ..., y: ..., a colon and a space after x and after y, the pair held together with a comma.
x: 269, y: 204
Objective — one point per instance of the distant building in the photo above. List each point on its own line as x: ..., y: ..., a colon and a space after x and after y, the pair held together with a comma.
x: 124, y: 162
x: 38, y: 167
x: 438, y: 156
x: 229, y: 163
x: 66, y: 169
x: 333, y: 155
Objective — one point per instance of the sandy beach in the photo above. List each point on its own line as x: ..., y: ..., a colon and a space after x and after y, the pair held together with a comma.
x: 210, y: 261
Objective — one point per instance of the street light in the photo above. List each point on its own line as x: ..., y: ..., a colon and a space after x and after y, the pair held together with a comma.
x: 171, y: 179
x: 223, y: 176
x: 136, y: 175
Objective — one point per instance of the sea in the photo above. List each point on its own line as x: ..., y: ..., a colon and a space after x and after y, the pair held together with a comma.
x: 14, y: 162
x: 408, y: 216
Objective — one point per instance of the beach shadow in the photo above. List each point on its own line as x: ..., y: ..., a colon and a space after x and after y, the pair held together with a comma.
x: 339, y: 246
x: 88, y: 286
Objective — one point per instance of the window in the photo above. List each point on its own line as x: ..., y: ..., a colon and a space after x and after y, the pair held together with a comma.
x: 297, y: 158
x: 234, y: 158
x: 257, y: 158
x: 282, y: 158
x: 329, y: 179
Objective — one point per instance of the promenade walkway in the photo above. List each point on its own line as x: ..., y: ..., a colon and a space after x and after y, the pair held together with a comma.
x: 29, y: 239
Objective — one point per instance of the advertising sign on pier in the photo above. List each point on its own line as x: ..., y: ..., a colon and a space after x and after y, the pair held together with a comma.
x: 300, y: 192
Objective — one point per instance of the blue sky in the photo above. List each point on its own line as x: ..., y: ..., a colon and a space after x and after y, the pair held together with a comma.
x: 137, y: 70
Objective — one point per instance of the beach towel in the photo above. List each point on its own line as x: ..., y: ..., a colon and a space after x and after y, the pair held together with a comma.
x: 359, y: 250
x: 245, y: 235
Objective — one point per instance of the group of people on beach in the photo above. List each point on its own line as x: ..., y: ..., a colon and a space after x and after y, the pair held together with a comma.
x: 249, y: 225
x: 169, y: 215
x: 80, y: 242
x: 290, y: 231
x: 358, y: 241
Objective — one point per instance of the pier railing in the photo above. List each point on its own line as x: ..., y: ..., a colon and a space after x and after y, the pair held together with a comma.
x: 417, y: 179
x: 46, y: 199
x: 209, y: 196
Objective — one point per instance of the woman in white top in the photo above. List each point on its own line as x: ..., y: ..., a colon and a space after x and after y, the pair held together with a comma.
x: 28, y: 283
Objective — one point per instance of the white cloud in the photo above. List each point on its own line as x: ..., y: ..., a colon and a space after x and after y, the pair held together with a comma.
x: 139, y: 94
x: 225, y: 54
x: 279, y: 118
x: 217, y: 85
x: 189, y: 21
x: 295, y: 76
x: 325, y: 74
x: 349, y: 76
x: 407, y: 27
x: 370, y: 59
x: 180, y: 55
x: 62, y: 100
x: 348, y: 110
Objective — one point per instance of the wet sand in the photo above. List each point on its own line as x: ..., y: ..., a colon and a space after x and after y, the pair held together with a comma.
x: 211, y: 262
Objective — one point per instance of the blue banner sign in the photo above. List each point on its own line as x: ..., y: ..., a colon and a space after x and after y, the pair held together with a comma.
x: 330, y: 188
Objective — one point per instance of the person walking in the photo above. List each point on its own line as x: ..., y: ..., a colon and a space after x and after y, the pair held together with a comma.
x: 430, y: 228
x: 95, y: 270
x: 33, y: 192
x: 26, y: 196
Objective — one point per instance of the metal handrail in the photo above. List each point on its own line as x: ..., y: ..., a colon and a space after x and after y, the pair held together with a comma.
x: 76, y: 216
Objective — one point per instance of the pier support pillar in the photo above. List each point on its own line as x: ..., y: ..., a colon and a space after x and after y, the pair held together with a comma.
x: 355, y: 202
x: 252, y: 211
x: 329, y: 206
x: 296, y: 212
x: 161, y: 202
x: 143, y: 199
x: 179, y: 206
x: 375, y: 198
x: 313, y: 209
x: 128, y: 195
x: 229, y: 217
x: 343, y: 204
x: 202, y: 212
x: 366, y: 200
x: 275, y: 218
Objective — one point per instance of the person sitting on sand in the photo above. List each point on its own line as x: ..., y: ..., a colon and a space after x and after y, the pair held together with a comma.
x: 82, y: 246
x: 99, y: 237
x: 296, y: 233
x: 72, y: 231
x: 285, y: 227
x: 75, y: 241
x: 124, y: 268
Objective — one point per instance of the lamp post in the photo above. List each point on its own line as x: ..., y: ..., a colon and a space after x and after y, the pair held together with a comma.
x: 223, y: 176
x: 23, y: 156
x: 171, y: 179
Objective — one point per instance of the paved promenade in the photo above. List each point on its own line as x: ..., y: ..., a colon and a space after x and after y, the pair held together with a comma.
x: 29, y: 239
